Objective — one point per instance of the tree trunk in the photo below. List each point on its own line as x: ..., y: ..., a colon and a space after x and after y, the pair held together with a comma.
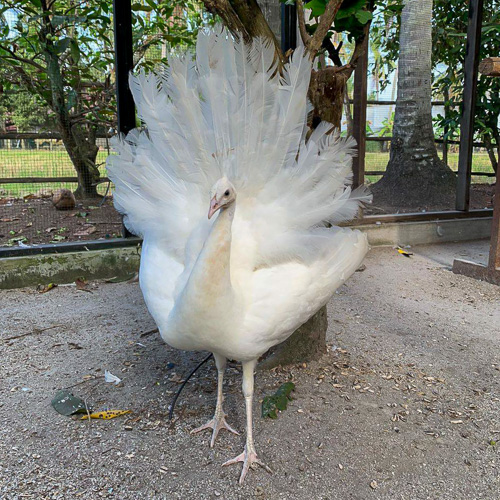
x: 415, y: 172
x: 81, y: 147
x: 82, y: 150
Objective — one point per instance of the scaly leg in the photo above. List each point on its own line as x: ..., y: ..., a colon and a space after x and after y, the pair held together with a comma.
x: 219, y: 421
x: 249, y: 455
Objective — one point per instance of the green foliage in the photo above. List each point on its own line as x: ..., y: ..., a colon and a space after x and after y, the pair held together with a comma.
x: 449, y: 36
x: 24, y: 110
x: 448, y: 53
x: 73, y: 42
x: 278, y: 401
x: 61, y: 52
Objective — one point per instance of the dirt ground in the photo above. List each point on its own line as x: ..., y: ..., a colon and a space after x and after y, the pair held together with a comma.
x: 481, y: 196
x: 405, y: 405
x: 33, y: 221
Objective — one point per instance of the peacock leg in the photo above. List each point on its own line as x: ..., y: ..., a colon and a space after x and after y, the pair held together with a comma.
x: 249, y: 455
x: 219, y: 421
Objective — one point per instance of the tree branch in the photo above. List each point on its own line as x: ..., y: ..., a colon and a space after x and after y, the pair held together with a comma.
x: 325, y: 23
x: 302, y: 23
x: 333, y: 53
x: 360, y: 46
x: 245, y: 17
x: 224, y: 9
x: 16, y: 57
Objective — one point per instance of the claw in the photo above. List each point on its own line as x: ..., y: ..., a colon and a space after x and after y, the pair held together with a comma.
x: 217, y: 423
x: 248, y: 459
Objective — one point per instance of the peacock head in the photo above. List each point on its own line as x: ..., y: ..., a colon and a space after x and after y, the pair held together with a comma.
x: 221, y: 195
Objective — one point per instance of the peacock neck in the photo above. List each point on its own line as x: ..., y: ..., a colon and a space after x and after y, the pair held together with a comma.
x: 212, y: 270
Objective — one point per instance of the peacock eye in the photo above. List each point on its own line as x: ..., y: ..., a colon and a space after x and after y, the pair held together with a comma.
x: 226, y: 193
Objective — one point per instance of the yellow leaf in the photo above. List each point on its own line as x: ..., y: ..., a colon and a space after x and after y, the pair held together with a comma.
x: 404, y: 252
x: 106, y: 415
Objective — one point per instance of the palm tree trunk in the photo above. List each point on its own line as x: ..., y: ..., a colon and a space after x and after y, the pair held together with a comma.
x: 415, y: 172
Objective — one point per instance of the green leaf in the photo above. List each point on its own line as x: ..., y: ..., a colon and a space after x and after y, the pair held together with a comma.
x: 278, y: 401
x: 138, y: 7
x: 363, y: 16
x: 66, y: 404
x: 61, y: 45
x: 317, y: 7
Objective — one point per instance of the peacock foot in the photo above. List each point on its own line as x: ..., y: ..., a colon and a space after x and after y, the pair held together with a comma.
x: 217, y: 423
x: 248, y: 458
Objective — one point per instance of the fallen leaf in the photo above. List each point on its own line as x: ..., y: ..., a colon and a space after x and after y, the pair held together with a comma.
x: 404, y: 252
x: 86, y: 231
x: 66, y: 404
x: 45, y: 288
x: 57, y: 238
x: 107, y: 414
x: 81, y: 284
x: 121, y: 279
x: 50, y: 229
x: 278, y: 401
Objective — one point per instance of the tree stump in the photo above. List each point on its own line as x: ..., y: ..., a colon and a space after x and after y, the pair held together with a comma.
x: 306, y: 343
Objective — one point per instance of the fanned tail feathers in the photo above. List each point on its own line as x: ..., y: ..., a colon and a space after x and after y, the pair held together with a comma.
x: 230, y: 112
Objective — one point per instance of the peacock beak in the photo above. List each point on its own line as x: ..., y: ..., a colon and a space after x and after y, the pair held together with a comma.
x: 214, y: 206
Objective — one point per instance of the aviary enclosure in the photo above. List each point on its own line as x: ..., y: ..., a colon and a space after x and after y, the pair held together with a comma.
x: 39, y: 155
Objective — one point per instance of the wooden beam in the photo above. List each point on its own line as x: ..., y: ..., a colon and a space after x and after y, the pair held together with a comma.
x: 42, y: 180
x: 490, y: 66
x: 494, y: 259
x: 469, y: 103
x: 359, y: 114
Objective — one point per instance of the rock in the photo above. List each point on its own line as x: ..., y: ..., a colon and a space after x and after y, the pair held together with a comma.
x: 64, y: 199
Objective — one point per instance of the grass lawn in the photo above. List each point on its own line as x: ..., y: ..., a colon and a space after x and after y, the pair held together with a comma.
x: 41, y: 163
x: 56, y: 163
x: 480, y: 163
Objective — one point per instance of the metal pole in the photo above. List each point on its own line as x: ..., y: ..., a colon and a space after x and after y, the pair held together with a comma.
x: 288, y: 27
x: 469, y: 104
x: 446, y: 127
x: 124, y: 62
x: 359, y: 114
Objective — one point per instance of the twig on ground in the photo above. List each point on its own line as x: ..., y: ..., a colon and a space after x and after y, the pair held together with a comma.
x: 149, y: 332
x: 35, y: 331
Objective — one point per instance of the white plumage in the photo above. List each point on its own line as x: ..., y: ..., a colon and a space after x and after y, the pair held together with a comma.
x: 228, y: 127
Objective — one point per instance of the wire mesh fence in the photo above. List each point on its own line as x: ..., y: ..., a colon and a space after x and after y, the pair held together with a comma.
x: 37, y: 159
x: 46, y: 156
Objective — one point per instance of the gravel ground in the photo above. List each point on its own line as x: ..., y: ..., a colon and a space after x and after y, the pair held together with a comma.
x: 405, y: 404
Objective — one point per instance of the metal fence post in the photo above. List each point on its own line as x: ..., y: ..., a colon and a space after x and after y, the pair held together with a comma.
x: 359, y: 114
x: 124, y: 63
x: 446, y: 127
x: 469, y: 103
x: 288, y: 27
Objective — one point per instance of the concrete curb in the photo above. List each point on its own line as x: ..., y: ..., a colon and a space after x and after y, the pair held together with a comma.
x: 18, y: 272
x: 427, y: 232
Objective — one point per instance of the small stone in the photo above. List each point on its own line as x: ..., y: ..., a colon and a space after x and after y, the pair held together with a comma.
x: 374, y: 485
x: 341, y: 467
x: 217, y: 493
